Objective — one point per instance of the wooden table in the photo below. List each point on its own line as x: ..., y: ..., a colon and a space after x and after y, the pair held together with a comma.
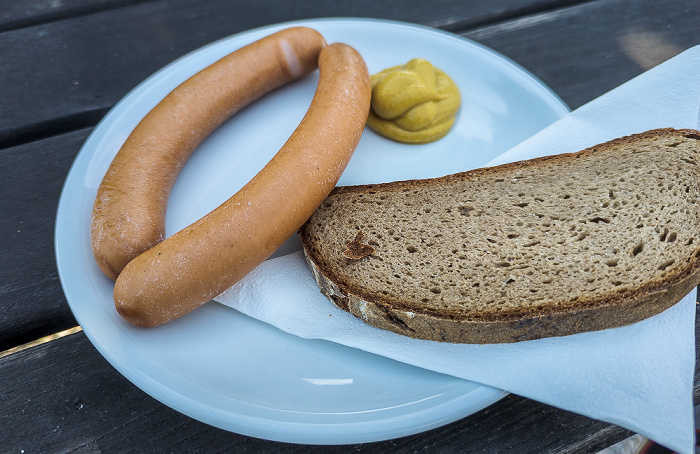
x: 63, y: 65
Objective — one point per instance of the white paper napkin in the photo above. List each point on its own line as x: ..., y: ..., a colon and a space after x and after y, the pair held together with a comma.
x: 639, y: 377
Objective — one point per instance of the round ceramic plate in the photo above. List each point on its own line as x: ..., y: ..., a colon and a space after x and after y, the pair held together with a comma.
x: 239, y: 374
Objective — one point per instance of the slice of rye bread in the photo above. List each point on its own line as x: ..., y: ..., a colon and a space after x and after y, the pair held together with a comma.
x: 546, y: 247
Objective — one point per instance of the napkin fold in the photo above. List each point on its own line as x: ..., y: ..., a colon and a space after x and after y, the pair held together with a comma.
x: 639, y: 377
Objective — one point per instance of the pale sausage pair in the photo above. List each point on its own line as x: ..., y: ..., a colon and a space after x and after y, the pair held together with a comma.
x: 158, y: 279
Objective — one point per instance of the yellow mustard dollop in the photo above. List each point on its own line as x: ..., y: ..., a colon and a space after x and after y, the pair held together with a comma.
x: 414, y: 103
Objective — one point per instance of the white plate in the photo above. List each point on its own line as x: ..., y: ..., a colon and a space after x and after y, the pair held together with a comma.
x: 237, y: 373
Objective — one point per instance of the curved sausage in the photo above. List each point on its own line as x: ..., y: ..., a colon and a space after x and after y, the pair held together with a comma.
x: 128, y: 215
x: 209, y: 256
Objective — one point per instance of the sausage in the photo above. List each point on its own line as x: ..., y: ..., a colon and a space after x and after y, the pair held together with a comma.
x: 128, y: 215
x: 199, y: 262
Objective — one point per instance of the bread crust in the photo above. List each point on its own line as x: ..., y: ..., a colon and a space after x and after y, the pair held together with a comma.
x: 610, y: 309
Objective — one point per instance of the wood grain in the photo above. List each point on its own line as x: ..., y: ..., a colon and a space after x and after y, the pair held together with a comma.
x: 22, y: 13
x: 584, y: 51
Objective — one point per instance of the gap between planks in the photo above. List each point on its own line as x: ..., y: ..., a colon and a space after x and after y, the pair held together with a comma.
x: 41, y: 340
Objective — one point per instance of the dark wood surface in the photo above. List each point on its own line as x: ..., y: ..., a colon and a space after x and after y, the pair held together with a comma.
x: 63, y: 65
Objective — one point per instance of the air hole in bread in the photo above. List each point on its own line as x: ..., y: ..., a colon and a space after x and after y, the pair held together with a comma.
x: 666, y: 264
x: 465, y: 210
x: 638, y: 248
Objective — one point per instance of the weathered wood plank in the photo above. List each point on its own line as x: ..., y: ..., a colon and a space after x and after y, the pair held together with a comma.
x: 22, y: 13
x: 32, y: 303
x: 586, y: 50
x: 74, y: 400
x: 66, y: 74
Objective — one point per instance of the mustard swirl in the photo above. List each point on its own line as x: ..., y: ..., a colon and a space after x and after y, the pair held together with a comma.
x: 414, y: 103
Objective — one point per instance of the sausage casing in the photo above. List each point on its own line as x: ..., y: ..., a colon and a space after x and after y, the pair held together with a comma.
x: 199, y: 262
x: 128, y: 215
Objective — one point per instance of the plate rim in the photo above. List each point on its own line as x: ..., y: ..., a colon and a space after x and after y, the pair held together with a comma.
x: 558, y: 107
